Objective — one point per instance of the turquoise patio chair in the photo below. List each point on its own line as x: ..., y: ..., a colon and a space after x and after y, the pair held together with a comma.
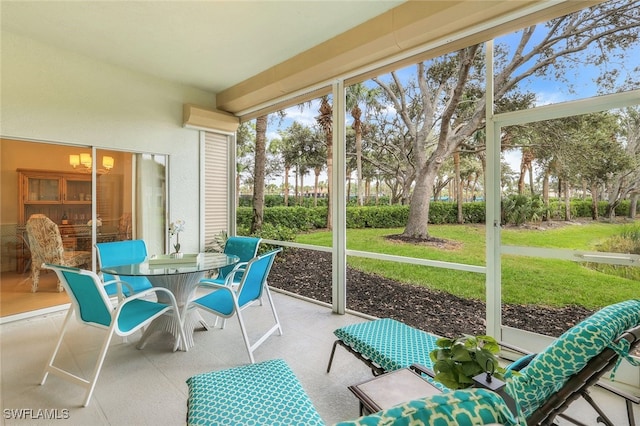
x: 226, y: 300
x: 92, y: 307
x: 119, y: 253
x: 246, y: 248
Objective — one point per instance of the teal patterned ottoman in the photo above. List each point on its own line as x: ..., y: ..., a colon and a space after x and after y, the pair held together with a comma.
x: 266, y: 393
x: 387, y: 345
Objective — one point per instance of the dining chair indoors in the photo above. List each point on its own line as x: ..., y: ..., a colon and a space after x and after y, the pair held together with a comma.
x: 92, y: 306
x: 45, y: 244
x: 119, y: 253
x: 227, y: 300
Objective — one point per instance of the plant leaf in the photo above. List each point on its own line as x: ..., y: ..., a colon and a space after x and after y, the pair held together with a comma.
x: 460, y: 354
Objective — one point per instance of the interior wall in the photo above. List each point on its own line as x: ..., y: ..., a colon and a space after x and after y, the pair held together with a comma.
x: 49, y: 94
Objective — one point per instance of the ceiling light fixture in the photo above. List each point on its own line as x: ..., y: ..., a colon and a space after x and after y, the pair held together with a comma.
x: 85, y: 160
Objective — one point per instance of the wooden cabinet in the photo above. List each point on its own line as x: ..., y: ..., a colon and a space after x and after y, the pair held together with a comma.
x: 54, y: 194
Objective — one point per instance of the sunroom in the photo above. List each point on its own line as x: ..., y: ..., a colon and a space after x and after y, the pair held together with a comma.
x: 69, y: 89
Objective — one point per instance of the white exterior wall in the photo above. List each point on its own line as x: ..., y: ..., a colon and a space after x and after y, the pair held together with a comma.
x: 49, y: 94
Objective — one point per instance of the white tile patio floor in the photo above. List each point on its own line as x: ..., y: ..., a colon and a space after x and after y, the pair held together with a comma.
x: 147, y: 387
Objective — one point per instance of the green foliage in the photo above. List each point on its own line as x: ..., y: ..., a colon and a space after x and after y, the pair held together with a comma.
x: 457, y: 361
x: 217, y: 244
x: 377, y: 217
x: 442, y: 212
x: 296, y: 218
x: 627, y: 241
x: 518, y: 209
x: 278, y: 232
x: 474, y: 212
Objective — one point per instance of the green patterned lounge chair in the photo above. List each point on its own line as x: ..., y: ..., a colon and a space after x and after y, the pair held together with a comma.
x: 551, y: 380
x: 466, y: 407
x: 575, y: 361
x: 386, y: 345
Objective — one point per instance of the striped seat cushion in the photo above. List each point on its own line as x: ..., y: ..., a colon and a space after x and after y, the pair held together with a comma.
x: 266, y: 393
x: 390, y: 344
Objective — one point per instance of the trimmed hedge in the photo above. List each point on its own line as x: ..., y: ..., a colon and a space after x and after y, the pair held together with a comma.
x: 440, y: 212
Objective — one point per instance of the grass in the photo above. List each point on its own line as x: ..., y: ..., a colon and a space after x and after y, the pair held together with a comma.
x: 525, y: 280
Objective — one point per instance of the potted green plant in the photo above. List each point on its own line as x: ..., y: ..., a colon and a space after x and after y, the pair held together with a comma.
x: 457, y: 361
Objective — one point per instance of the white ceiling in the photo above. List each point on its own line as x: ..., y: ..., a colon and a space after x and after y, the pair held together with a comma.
x: 208, y: 44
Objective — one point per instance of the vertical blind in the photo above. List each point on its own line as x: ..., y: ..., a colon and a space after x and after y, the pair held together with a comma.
x: 215, y: 185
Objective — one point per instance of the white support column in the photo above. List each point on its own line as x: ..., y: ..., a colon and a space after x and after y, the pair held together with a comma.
x: 492, y: 210
x: 94, y: 209
x: 338, y: 203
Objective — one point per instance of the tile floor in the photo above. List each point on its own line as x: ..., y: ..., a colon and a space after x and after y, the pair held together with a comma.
x: 147, y: 387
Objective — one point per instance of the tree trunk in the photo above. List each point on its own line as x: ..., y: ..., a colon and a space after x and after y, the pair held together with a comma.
x: 633, y: 206
x: 545, y: 194
x: 531, y: 180
x: 316, y: 186
x: 325, y: 120
x: 287, y: 169
x: 523, y: 174
x: 259, y: 172
x: 567, y: 201
x: 237, y: 190
x: 458, y: 185
x: 594, y: 202
x: 419, y: 208
x: 357, y: 127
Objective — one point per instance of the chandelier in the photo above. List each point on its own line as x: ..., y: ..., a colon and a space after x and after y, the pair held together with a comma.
x: 85, y: 160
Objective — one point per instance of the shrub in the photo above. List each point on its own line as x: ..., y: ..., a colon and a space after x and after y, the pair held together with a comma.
x: 518, y: 209
x: 628, y: 241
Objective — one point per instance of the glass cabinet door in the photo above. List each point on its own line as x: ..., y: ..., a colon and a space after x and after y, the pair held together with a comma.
x: 42, y: 190
x: 77, y: 191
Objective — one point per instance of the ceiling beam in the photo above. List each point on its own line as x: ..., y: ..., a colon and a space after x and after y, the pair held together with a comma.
x: 386, y: 38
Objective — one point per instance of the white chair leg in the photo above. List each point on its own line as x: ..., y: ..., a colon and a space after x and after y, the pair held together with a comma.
x: 273, y: 309
x: 49, y: 365
x: 245, y: 337
x: 96, y: 372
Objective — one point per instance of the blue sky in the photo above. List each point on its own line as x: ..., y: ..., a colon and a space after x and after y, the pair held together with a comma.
x: 547, y: 90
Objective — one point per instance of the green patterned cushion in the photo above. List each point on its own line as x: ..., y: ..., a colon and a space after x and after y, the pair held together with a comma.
x: 464, y: 407
x: 551, y: 369
x: 390, y: 344
x: 267, y: 393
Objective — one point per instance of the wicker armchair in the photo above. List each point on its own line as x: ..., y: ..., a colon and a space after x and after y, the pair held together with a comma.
x: 46, y: 246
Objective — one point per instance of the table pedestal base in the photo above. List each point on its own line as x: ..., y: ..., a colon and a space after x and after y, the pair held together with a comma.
x: 183, y: 287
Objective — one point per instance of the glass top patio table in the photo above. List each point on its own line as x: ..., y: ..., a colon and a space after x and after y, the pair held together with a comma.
x: 181, y: 277
x: 206, y: 262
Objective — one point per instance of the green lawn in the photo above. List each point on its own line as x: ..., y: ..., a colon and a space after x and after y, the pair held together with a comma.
x: 525, y: 280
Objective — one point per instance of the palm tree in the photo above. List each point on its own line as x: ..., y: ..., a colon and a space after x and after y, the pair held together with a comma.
x: 356, y: 94
x: 325, y: 120
x: 258, y: 174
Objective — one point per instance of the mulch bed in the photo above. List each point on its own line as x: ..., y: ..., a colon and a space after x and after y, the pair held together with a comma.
x: 308, y: 273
